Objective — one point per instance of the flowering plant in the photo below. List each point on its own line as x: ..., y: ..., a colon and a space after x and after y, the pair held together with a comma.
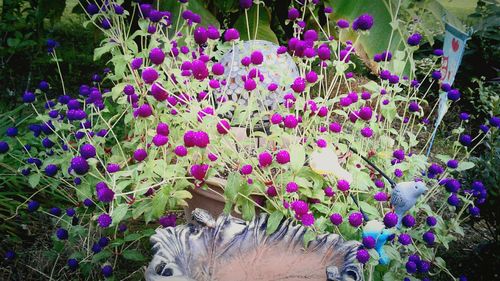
x: 186, y: 103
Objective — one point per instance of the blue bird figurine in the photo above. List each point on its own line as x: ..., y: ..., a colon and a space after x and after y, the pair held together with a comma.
x: 377, y: 231
x: 404, y: 196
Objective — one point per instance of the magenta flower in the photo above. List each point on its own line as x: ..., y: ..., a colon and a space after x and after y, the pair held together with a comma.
x: 200, y: 35
x: 199, y: 171
x: 223, y: 127
x: 299, y: 85
x: 104, y: 220
x: 156, y: 56
x: 290, y: 121
x: 265, y: 159
x: 231, y: 34
x: 291, y: 187
x: 355, y: 219
x: 367, y: 132
x: 160, y: 140
x: 180, y: 151
x: 283, y: 157
x: 149, y: 75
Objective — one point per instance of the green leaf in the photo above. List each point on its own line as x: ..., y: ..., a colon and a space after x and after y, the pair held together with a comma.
x: 158, y: 204
x: 119, y: 213
x: 309, y: 236
x: 34, y: 179
x: 462, y: 166
x: 297, y: 157
x: 104, y: 254
x: 256, y: 21
x: 132, y: 237
x: 234, y: 182
x: 273, y: 222
x: 133, y: 255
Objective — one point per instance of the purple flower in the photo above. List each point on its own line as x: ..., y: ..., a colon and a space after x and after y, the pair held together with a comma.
x: 329, y: 191
x: 4, y: 147
x: 293, y: 14
x: 453, y: 200
x: 390, y: 220
x: 363, y: 22
x: 290, y: 121
x: 136, y: 63
x: 265, y: 159
x: 404, y: 239
x: 474, y: 211
x: 107, y: 271
x: 80, y: 165
x: 73, y: 264
x: 169, y: 220
x: 199, y: 69
x: 355, y: 219
x: 246, y: 169
x: 381, y: 196
x: 431, y: 221
x: 299, y: 85
x: 495, y: 121
x: 149, y: 75
x: 335, y: 127
x: 200, y: 35
x: 300, y: 207
x: 199, y: 171
x: 362, y: 256
x: 342, y: 23
x: 28, y: 97
x: 51, y: 170
x: 271, y: 191
x: 369, y: 242
x: 88, y: 202
x: 307, y: 219
x: 343, y: 185
x: 62, y: 234
x: 291, y: 187
x: 464, y: 116
x: 283, y: 157
x: 436, y: 74
x: 104, y: 220
x: 55, y: 211
x: 414, y: 39
x: 156, y: 56
x: 438, y: 52
x: 408, y: 221
x: 453, y: 94
x: 256, y: 57
x: 33, y: 206
x: 452, y: 163
x: 140, y: 154
x: 231, y: 34
x: 180, y: 151
x: 423, y: 266
x: 411, y: 267
x: 413, y: 107
x: 429, y: 238
x: 336, y: 219
x: 246, y: 4
x: 113, y: 168
x: 367, y: 132
x: 465, y: 140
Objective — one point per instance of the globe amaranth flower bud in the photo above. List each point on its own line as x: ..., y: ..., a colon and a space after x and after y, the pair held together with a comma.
x: 200, y: 35
x: 107, y: 271
x: 369, y: 242
x: 149, y: 75
x: 414, y: 39
x: 87, y: 151
x: 336, y: 219
x: 104, y: 220
x: 283, y: 157
x: 51, y: 170
x: 223, y: 127
x: 140, y: 154
x: 291, y: 187
x: 405, y: 239
x: 355, y: 219
x: 231, y: 34
x: 390, y: 220
x: 156, y: 56
x: 265, y: 159
x: 429, y: 238
x: 362, y: 256
x: 62, y: 234
x: 199, y: 171
x: 33, y: 206
x: 73, y: 264
x: 79, y: 165
x: 363, y: 22
x: 4, y: 147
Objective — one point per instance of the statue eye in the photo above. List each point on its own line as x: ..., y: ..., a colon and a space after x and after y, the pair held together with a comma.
x: 416, y: 187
